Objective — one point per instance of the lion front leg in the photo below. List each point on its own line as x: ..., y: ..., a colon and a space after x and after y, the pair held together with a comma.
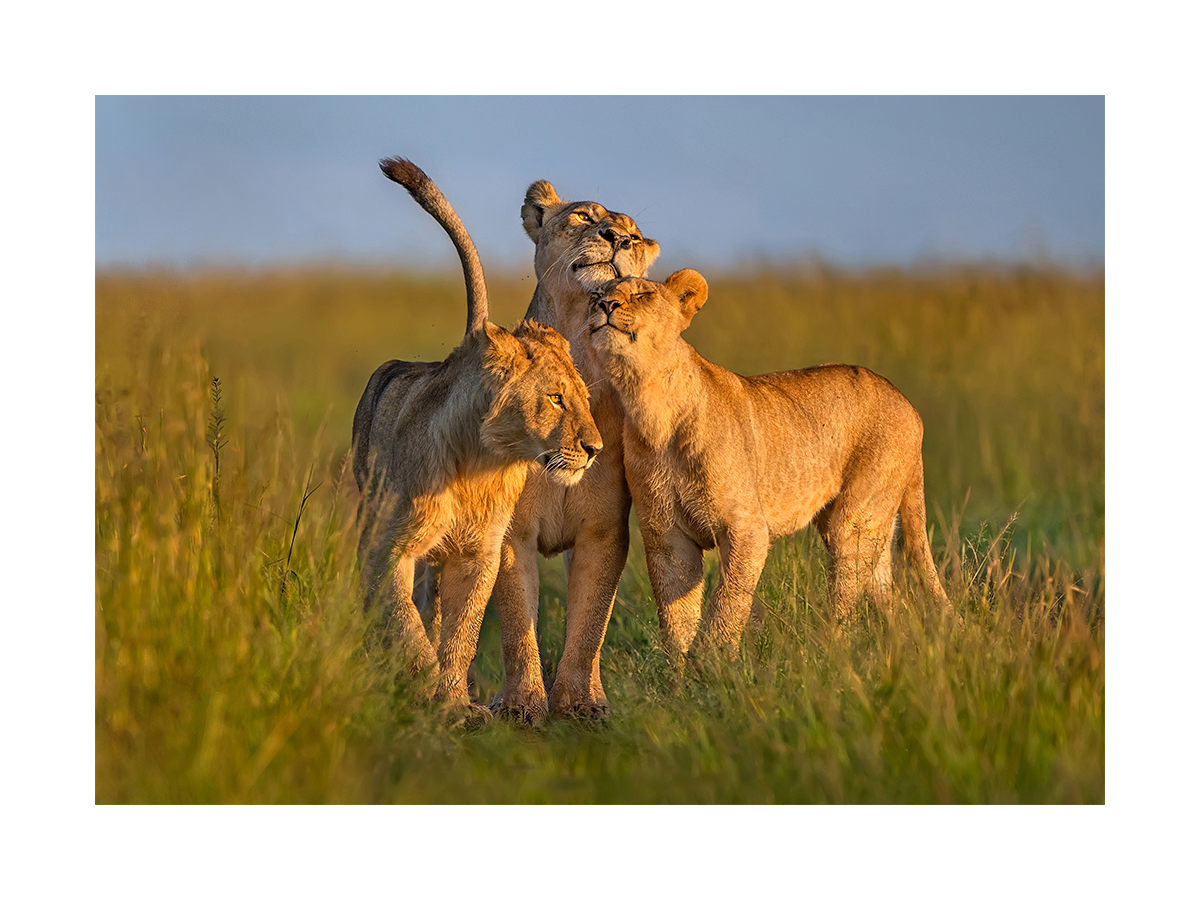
x: 596, y: 566
x: 676, y: 566
x: 466, y: 585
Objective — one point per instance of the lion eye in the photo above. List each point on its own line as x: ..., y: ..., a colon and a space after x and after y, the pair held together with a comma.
x: 584, y: 217
x: 556, y: 399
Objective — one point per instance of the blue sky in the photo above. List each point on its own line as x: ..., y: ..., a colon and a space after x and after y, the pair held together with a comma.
x: 717, y: 181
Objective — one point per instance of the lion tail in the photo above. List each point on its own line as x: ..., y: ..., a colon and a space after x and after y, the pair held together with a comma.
x: 916, y: 539
x: 425, y: 192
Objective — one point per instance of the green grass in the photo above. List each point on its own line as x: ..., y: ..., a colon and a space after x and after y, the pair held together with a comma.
x: 230, y: 665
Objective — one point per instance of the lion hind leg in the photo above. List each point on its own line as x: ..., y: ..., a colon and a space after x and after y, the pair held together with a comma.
x: 428, y: 600
x: 880, y: 585
x: 916, y: 538
x: 405, y: 627
x: 387, y: 571
x: 404, y: 632
x: 861, y: 563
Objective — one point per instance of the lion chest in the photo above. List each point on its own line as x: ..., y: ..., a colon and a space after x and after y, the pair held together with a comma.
x: 470, y: 515
x: 681, y: 488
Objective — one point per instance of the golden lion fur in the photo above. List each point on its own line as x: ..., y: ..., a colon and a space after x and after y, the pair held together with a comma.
x: 442, y: 452
x: 716, y: 459
x: 578, y: 247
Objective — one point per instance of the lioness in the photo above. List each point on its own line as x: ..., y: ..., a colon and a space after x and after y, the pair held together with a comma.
x: 442, y: 450
x: 579, y: 246
x: 716, y: 459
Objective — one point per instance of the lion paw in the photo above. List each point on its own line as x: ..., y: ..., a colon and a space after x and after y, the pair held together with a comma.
x: 468, y: 716
x: 578, y: 701
x: 589, y: 711
x: 529, y: 711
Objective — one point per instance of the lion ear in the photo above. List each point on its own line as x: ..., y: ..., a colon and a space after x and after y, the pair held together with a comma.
x: 503, y: 355
x: 538, y: 198
x: 650, y: 248
x: 692, y: 290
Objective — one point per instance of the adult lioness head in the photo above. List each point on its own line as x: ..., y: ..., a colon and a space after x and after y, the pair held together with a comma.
x: 540, y: 409
x: 581, y: 245
x: 634, y: 323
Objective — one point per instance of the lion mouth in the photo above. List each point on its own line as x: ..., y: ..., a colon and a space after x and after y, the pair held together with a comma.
x: 632, y: 335
x: 564, y: 471
x: 620, y: 268
x: 608, y: 263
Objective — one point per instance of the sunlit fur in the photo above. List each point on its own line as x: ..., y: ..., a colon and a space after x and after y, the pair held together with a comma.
x: 715, y: 459
x: 441, y: 453
x: 578, y: 246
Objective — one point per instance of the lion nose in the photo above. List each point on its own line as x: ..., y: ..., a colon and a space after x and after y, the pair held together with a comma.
x: 591, y: 450
x: 609, y: 305
x: 619, y: 239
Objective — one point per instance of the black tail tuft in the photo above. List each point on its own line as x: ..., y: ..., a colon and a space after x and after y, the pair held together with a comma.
x: 403, y: 172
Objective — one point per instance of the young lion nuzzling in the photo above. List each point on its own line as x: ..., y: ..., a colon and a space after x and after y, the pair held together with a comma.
x: 443, y: 450
x: 716, y: 459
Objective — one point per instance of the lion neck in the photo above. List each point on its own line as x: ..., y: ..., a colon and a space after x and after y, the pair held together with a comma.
x: 566, y: 312
x: 469, y: 399
x: 659, y: 394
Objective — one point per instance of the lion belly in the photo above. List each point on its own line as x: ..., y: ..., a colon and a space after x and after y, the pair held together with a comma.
x: 813, y: 428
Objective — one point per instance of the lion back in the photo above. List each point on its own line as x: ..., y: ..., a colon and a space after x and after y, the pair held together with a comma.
x: 394, y: 377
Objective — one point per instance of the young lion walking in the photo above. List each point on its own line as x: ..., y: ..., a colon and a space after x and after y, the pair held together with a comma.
x: 442, y: 451
x: 715, y: 459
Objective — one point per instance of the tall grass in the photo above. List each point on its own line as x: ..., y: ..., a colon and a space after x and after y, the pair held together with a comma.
x: 230, y: 665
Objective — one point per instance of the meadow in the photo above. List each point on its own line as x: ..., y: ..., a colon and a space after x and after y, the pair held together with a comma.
x: 229, y: 652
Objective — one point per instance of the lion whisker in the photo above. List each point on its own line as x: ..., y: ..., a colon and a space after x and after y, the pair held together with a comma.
x: 562, y: 261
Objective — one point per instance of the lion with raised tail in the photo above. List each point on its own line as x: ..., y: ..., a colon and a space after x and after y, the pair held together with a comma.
x: 442, y: 452
x: 716, y: 459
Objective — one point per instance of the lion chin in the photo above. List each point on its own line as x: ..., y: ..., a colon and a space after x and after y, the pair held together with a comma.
x: 591, y: 276
x: 609, y: 337
x: 564, y: 472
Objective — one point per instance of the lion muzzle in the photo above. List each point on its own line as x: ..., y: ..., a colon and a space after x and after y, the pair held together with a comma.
x: 602, y: 310
x: 567, y: 464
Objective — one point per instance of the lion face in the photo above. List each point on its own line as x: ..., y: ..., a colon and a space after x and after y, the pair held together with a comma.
x: 540, y: 409
x: 582, y: 245
x: 634, y: 322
